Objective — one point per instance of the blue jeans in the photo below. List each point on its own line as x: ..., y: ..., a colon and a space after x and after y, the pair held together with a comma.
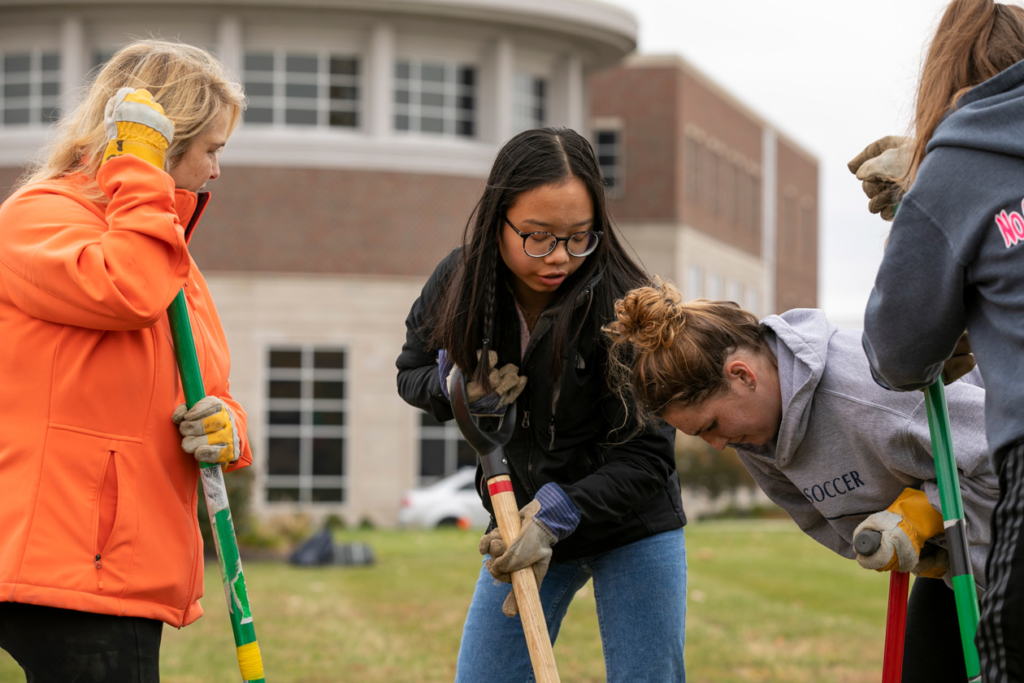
x: 640, y: 590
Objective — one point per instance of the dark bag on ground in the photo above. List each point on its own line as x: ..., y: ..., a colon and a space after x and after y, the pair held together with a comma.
x: 321, y: 550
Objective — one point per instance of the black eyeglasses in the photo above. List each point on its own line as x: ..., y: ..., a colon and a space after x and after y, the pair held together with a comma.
x: 540, y: 244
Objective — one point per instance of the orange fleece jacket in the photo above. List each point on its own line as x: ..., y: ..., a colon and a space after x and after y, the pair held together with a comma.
x: 97, y: 498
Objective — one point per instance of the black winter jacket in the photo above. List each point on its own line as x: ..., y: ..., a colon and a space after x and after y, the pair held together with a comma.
x: 625, y: 490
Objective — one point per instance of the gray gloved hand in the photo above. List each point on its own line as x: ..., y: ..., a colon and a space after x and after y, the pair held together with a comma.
x: 880, y: 166
x: 960, y: 363
x: 531, y: 548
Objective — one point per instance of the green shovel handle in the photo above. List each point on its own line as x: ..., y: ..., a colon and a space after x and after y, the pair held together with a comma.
x: 250, y: 663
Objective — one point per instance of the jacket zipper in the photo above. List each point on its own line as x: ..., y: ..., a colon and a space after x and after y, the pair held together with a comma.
x: 551, y: 430
x: 99, y: 577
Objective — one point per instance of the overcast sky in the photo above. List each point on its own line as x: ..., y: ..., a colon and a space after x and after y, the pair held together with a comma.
x: 832, y: 76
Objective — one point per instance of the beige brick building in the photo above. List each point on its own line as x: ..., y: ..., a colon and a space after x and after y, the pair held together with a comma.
x: 370, y: 129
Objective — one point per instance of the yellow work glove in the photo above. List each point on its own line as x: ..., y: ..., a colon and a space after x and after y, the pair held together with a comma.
x: 880, y: 166
x: 209, y: 431
x: 905, y: 526
x: 135, y: 124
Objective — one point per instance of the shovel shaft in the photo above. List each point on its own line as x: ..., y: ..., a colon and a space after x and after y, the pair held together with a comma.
x: 535, y: 627
x: 895, y: 627
x: 250, y: 662
x: 964, y: 588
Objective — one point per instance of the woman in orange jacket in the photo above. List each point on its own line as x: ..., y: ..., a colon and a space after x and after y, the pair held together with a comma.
x: 100, y: 541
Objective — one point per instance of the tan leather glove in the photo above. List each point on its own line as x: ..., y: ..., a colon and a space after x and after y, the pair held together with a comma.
x: 960, y: 363
x: 934, y: 562
x: 905, y: 526
x: 209, y: 431
x: 880, y: 166
x: 135, y: 124
x: 506, y: 385
x: 531, y: 548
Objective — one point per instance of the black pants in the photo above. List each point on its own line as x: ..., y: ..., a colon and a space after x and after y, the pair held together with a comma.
x: 932, y: 651
x: 63, y: 646
x: 1001, y: 631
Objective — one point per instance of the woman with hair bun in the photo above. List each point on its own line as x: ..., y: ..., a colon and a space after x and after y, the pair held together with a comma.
x: 98, y: 488
x: 794, y: 396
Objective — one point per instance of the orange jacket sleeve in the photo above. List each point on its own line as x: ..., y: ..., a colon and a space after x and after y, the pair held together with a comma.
x: 68, y: 262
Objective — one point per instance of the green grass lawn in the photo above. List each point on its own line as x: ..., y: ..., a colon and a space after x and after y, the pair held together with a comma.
x: 765, y: 604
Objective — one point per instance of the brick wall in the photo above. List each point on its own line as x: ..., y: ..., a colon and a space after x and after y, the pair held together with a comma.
x: 797, y: 234
x: 723, y: 201
x: 332, y: 221
x: 646, y: 102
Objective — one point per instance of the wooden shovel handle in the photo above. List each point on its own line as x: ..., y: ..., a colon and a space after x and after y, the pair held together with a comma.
x: 535, y: 627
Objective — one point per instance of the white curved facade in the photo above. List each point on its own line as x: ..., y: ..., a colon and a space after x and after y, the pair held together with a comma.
x: 551, y: 42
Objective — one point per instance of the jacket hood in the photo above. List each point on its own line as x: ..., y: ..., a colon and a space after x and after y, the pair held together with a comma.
x: 800, y: 344
x: 988, y: 117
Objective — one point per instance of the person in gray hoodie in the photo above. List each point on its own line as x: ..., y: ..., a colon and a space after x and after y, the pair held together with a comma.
x: 954, y: 260
x: 794, y: 396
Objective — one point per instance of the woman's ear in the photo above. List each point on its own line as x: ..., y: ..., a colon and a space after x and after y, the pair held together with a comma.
x: 738, y: 370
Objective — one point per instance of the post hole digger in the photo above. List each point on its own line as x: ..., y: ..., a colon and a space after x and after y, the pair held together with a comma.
x: 250, y: 662
x: 488, y: 446
x: 868, y: 541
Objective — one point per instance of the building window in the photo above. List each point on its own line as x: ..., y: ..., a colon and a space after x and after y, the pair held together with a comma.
x: 753, y: 302
x: 711, y: 178
x: 302, y: 89
x: 443, y: 451
x: 306, y: 433
x: 694, y: 282
x: 435, y: 97
x: 29, y: 87
x: 715, y: 286
x: 734, y: 292
x: 691, y: 159
x: 608, y: 148
x: 530, y: 104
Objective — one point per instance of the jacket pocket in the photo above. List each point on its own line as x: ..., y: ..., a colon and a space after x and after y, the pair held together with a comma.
x: 82, y: 512
x: 106, y: 506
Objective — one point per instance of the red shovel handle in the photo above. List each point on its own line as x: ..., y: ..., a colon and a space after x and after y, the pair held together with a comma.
x: 895, y: 627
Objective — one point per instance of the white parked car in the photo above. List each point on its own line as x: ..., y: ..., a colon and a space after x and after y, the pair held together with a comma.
x: 452, y: 501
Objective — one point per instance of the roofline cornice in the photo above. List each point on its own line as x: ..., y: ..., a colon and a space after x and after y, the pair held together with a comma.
x: 613, y: 29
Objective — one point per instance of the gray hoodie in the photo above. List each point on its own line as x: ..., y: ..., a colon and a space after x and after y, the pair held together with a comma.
x: 846, y: 447
x: 955, y: 258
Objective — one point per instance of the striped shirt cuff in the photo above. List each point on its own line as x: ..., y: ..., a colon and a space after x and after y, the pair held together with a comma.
x: 557, y: 513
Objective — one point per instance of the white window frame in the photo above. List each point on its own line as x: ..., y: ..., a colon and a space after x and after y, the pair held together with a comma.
x: 450, y: 88
x: 36, y: 102
x: 449, y: 433
x: 530, y: 108
x: 305, y: 481
x: 280, y: 78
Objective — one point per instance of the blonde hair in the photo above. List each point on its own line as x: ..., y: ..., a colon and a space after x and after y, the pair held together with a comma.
x: 190, y: 84
x: 665, y: 351
x: 975, y: 40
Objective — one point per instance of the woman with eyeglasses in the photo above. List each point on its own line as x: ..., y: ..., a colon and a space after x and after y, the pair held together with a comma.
x: 519, y: 308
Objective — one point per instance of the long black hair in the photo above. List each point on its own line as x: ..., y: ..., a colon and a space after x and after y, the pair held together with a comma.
x: 529, y: 160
